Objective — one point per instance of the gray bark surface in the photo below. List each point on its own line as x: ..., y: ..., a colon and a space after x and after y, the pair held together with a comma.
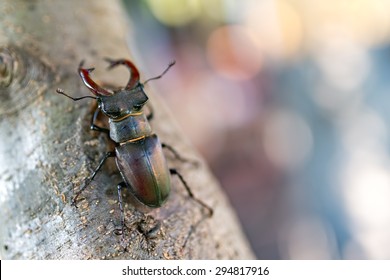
x: 47, y: 149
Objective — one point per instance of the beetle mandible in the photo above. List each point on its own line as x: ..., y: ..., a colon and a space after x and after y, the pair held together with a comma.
x: 138, y: 151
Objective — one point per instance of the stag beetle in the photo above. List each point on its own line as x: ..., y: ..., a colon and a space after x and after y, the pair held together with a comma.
x: 138, y: 151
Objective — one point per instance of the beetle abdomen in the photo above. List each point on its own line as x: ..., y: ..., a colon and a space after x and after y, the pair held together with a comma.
x: 144, y: 169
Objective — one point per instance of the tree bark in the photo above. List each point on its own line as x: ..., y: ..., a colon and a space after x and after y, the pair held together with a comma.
x: 47, y: 149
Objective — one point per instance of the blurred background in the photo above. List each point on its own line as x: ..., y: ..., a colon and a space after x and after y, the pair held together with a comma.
x: 289, y: 102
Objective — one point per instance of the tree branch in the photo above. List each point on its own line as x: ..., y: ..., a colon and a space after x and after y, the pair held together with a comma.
x: 47, y: 150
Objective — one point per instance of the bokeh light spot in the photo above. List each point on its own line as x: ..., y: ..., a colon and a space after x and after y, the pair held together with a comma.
x: 308, y: 238
x: 175, y: 12
x: 278, y: 25
x: 288, y: 140
x: 233, y: 52
x: 366, y: 22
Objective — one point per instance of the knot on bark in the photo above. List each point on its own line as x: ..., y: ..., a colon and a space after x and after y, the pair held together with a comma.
x: 23, y: 77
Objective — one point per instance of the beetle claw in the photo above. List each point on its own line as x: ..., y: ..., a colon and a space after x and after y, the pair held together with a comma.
x: 74, y: 203
x: 134, y: 73
x: 112, y: 63
x: 89, y: 83
x: 120, y: 231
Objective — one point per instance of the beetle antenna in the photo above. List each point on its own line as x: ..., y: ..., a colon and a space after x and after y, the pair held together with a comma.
x: 61, y: 91
x: 162, y: 74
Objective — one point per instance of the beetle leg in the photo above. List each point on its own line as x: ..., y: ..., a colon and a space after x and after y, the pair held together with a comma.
x: 94, y: 126
x: 120, y: 186
x: 208, y: 208
x: 89, y: 180
x: 210, y: 211
x: 177, y: 155
x: 147, y: 231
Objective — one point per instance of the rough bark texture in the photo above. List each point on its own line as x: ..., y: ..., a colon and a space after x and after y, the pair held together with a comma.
x: 47, y: 149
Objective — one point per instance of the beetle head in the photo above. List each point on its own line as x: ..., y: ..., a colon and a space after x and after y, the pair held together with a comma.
x: 123, y: 102
x: 117, y: 104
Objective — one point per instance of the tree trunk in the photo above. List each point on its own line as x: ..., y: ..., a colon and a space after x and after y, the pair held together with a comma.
x: 47, y: 150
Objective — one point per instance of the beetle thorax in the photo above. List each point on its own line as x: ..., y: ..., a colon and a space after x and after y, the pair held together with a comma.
x: 134, y: 126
